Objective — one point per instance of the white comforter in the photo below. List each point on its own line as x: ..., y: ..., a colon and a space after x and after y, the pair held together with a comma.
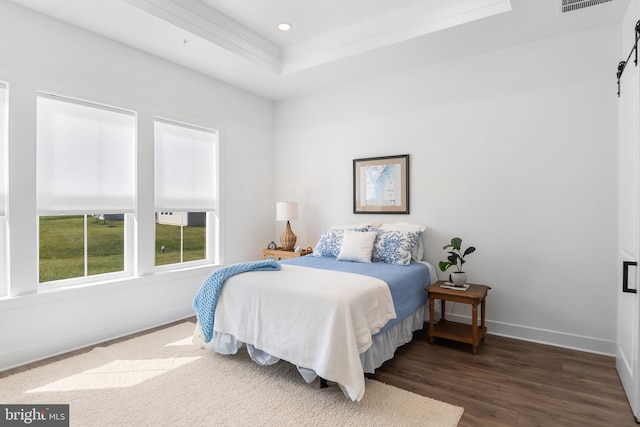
x: 316, y: 319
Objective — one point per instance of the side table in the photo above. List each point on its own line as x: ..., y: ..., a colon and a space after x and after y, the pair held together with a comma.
x: 471, y: 334
x: 280, y: 253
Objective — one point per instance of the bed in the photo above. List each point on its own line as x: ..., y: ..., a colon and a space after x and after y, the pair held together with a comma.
x: 330, y: 316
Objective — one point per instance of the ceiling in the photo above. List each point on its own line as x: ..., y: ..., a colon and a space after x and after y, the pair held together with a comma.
x: 332, y: 42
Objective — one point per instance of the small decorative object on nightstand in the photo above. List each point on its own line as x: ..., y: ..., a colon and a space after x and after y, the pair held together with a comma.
x: 280, y: 253
x: 272, y: 245
x: 471, y: 334
x: 456, y: 259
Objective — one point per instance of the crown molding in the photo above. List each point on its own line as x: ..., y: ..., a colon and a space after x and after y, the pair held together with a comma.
x: 428, y: 17
x: 398, y: 26
x: 207, y: 23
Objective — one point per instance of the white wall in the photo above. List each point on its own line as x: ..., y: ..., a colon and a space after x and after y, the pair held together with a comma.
x: 628, y: 27
x: 514, y: 151
x: 38, y: 53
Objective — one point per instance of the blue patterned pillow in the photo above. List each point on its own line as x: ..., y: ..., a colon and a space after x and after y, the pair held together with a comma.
x: 394, y: 247
x: 329, y: 243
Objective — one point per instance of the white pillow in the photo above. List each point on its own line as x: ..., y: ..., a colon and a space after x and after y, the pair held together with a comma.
x: 417, y: 253
x: 357, y: 246
x: 403, y: 226
x: 360, y: 226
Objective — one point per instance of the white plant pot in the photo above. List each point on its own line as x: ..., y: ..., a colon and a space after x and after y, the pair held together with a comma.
x: 459, y: 278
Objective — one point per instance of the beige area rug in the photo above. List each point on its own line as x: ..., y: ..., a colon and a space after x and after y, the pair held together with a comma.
x: 161, y: 379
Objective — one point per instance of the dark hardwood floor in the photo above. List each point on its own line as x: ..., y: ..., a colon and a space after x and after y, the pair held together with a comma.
x: 512, y: 383
x: 507, y: 383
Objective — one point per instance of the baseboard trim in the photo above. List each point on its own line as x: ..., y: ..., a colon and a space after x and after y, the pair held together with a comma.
x: 44, y: 350
x: 60, y: 345
x: 545, y: 336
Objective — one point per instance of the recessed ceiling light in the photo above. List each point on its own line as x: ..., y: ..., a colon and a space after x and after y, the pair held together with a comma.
x: 284, y: 26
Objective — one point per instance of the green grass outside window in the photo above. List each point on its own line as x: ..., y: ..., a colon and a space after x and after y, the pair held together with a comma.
x: 62, y: 246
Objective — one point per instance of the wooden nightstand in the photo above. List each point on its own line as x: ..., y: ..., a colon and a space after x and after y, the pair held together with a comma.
x: 471, y: 334
x: 280, y: 253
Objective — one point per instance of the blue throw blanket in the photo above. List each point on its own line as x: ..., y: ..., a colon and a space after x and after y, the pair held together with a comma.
x: 207, y: 297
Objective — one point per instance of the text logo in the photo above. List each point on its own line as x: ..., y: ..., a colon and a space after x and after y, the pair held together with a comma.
x: 34, y: 415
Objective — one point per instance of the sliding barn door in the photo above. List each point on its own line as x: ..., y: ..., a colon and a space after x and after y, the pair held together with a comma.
x: 628, y: 328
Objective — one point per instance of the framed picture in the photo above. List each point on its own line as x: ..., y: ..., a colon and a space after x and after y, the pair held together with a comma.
x: 381, y: 185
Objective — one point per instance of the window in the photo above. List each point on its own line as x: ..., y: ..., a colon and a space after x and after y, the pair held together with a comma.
x: 80, y: 245
x: 180, y: 237
x: 85, y: 186
x: 185, y: 191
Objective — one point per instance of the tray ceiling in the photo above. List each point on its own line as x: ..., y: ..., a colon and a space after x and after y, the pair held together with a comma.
x: 332, y: 42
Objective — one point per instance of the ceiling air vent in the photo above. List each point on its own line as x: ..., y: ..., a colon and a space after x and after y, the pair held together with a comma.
x: 571, y: 5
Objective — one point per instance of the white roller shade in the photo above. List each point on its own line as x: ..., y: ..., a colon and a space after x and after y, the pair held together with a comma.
x: 3, y: 148
x: 185, y: 162
x: 85, y: 158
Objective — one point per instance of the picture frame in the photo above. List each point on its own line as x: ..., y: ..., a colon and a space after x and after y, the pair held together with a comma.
x: 381, y: 185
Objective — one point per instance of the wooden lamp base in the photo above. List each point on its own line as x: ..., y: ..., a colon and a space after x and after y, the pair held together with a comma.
x: 288, y: 239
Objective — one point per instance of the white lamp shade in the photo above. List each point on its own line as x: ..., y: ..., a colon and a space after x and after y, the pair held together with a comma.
x: 286, y: 211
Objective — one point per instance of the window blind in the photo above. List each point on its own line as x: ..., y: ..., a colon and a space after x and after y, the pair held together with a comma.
x: 85, y: 157
x: 185, y: 167
x: 3, y: 148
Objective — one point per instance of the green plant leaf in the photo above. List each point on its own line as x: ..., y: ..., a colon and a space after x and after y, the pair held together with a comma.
x: 456, y: 242
x: 456, y: 256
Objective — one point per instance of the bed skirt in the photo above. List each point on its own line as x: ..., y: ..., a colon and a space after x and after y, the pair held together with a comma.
x: 385, y: 343
x: 383, y: 347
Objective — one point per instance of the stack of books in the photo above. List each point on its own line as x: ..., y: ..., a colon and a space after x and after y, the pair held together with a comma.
x: 449, y: 285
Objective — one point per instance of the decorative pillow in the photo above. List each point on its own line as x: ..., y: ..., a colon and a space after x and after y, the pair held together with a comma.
x: 329, y: 243
x: 418, y: 250
x: 394, y: 247
x: 357, y: 246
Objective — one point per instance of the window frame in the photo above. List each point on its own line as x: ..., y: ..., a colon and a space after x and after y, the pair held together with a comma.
x: 128, y: 245
x: 127, y: 272
x: 212, y: 244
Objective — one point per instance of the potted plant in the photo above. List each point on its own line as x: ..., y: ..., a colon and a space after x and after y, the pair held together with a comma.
x: 456, y: 258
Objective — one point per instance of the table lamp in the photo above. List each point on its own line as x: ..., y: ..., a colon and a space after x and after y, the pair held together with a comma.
x: 287, y: 211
